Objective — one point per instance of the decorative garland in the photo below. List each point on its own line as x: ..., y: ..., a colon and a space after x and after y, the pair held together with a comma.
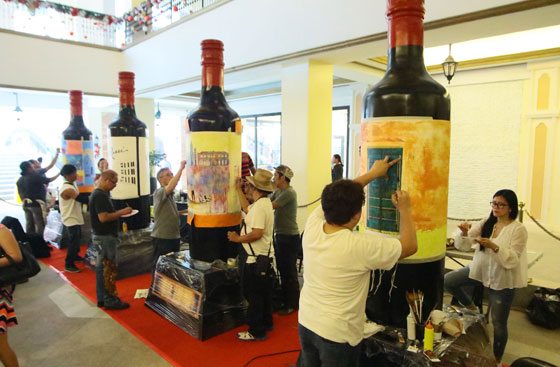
x: 138, y: 18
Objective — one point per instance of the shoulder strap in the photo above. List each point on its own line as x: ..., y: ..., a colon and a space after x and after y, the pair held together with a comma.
x: 244, y: 227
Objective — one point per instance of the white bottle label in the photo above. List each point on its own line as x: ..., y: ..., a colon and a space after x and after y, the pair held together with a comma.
x: 130, y: 159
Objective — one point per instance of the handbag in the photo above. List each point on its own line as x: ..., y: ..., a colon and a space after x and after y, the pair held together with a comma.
x: 18, y: 272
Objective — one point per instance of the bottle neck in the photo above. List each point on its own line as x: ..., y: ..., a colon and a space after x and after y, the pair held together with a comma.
x: 406, y: 57
x: 77, y: 121
x: 127, y: 110
x: 406, y: 29
x: 406, y: 34
x: 212, y: 76
x: 126, y: 99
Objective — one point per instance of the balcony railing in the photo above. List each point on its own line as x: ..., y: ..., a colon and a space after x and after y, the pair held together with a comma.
x: 48, y: 19
x: 151, y: 16
x: 43, y: 18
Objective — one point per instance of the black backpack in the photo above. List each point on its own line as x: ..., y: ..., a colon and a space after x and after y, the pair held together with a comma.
x: 39, y: 246
x: 544, y: 308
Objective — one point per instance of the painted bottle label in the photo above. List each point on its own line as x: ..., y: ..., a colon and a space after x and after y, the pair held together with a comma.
x: 213, y: 165
x: 423, y: 144
x: 79, y: 153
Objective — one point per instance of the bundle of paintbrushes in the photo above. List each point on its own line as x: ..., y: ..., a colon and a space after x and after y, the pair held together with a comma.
x: 415, y: 301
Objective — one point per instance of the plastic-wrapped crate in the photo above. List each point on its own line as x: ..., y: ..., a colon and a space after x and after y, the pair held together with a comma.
x: 135, y: 253
x: 203, y: 299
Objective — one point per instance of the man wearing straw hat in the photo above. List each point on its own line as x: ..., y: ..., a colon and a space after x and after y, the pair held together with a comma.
x: 338, y: 262
x: 256, y: 237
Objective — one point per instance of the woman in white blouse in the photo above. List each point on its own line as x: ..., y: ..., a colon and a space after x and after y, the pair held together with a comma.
x: 499, y: 263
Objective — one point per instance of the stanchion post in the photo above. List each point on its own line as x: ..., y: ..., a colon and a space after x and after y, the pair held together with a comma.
x: 521, y: 205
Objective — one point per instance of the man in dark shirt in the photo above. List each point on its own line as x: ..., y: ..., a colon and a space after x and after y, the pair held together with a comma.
x: 36, y: 164
x: 105, y: 227
x: 32, y: 191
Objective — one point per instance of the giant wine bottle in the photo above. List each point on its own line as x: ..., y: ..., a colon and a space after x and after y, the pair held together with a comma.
x: 407, y: 114
x: 213, y: 163
x: 130, y: 157
x: 77, y: 147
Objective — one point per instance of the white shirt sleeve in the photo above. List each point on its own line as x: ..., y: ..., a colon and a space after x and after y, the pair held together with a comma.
x: 461, y: 243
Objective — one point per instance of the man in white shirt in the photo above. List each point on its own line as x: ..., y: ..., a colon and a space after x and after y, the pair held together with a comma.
x: 72, y: 218
x: 337, y: 263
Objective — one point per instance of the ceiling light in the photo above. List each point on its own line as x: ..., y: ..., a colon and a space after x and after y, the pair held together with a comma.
x: 18, y: 108
x: 449, y: 66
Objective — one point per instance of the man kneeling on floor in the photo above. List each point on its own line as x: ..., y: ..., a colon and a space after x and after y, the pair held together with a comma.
x: 337, y: 262
x: 105, y: 226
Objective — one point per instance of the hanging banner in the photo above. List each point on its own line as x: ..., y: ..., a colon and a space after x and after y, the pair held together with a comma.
x: 79, y: 153
x: 423, y: 172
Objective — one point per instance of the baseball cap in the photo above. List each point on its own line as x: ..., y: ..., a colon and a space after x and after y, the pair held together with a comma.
x: 285, y: 170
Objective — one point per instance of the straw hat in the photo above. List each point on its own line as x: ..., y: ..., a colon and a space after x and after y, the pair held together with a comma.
x: 262, y: 180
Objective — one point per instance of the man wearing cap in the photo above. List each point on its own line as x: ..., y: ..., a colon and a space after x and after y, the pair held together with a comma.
x: 286, y: 237
x: 72, y: 218
x: 32, y: 190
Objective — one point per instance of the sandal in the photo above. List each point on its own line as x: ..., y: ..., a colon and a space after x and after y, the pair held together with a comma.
x: 248, y: 337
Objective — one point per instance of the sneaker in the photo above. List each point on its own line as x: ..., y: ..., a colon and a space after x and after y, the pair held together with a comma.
x: 116, y: 305
x: 71, y: 269
x: 286, y: 311
x: 248, y: 337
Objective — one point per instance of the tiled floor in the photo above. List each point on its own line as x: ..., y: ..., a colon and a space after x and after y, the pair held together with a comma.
x: 59, y: 328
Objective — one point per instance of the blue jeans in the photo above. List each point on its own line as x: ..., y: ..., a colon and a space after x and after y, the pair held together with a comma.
x: 74, y: 236
x: 106, y: 250
x: 286, y: 251
x: 320, y: 352
x: 500, y: 304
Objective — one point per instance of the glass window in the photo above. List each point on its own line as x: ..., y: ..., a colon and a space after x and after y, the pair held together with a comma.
x: 268, y: 141
x: 249, y: 138
x: 25, y: 137
x: 340, y: 121
x: 262, y: 139
x: 168, y: 133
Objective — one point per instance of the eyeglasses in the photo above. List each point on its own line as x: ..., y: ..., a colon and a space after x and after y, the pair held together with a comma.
x: 495, y: 204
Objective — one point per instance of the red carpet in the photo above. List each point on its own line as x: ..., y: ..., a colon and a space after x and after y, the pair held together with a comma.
x: 172, y: 343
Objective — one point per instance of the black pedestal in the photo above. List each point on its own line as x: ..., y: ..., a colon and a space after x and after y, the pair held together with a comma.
x: 204, y: 303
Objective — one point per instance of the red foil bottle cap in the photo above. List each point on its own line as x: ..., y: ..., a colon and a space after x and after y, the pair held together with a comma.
x: 75, y: 102
x: 126, y: 88
x: 406, y: 26
x: 212, y: 63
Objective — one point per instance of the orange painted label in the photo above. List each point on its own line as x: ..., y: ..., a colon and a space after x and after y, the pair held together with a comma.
x: 424, y: 144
